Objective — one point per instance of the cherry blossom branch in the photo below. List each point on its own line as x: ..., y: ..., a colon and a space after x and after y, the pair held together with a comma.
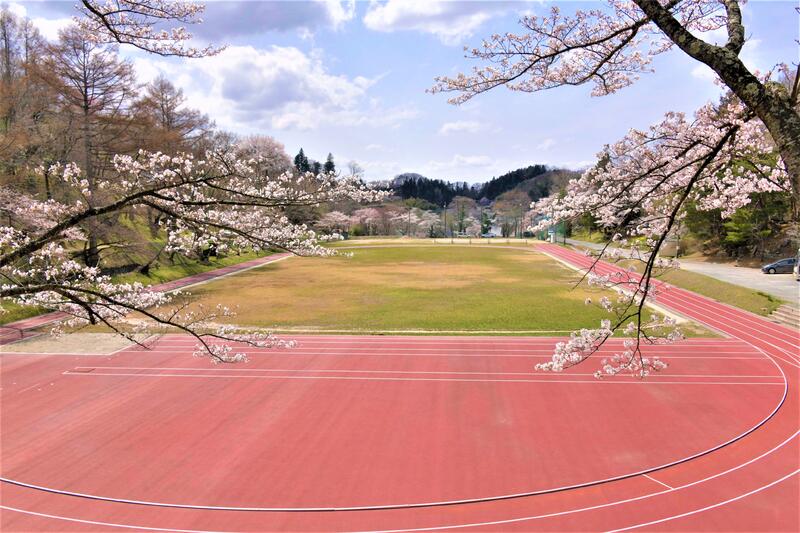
x: 140, y: 24
x: 220, y: 201
x: 641, y: 187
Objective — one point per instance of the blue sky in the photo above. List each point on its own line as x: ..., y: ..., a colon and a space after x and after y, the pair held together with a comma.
x: 350, y: 78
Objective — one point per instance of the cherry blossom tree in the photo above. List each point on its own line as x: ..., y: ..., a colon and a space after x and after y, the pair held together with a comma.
x: 748, y: 143
x: 716, y: 159
x: 232, y: 198
x: 609, y: 48
x: 220, y: 201
x: 369, y: 217
x: 335, y: 222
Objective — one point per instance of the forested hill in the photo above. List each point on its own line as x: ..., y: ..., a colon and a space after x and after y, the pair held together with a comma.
x: 440, y: 192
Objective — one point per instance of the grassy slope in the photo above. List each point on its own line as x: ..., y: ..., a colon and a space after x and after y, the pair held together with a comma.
x: 406, y: 288
x: 157, y: 275
x: 754, y: 301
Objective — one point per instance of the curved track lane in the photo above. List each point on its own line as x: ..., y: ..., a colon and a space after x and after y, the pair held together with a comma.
x: 749, y: 484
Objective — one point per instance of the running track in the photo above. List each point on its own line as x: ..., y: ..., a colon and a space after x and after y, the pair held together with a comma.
x: 26, y: 328
x: 403, y: 429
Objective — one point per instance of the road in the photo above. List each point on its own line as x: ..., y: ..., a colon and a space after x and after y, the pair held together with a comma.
x: 782, y: 286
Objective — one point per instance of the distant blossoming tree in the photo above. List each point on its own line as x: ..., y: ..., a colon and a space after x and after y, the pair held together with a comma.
x: 335, y: 222
x: 230, y: 199
x: 220, y: 202
x: 749, y: 143
x: 369, y: 217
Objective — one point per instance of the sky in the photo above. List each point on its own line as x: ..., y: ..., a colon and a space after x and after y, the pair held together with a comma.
x: 350, y: 78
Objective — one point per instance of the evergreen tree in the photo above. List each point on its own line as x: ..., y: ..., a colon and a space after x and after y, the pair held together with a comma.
x: 301, y: 162
x: 316, y: 167
x: 329, y: 164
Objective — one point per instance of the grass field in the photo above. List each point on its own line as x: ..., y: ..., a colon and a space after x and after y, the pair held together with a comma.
x: 446, y: 289
x: 159, y: 274
x: 754, y: 301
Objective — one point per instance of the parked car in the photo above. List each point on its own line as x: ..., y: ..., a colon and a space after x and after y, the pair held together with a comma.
x: 488, y: 235
x: 797, y: 266
x: 781, y: 266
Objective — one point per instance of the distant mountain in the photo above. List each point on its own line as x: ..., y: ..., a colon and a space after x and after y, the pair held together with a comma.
x: 497, y: 186
x: 536, y: 180
x: 437, y: 192
x: 550, y: 182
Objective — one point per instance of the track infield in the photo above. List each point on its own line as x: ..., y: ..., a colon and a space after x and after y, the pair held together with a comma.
x: 407, y: 433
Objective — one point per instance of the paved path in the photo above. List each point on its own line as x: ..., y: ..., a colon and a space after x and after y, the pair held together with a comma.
x: 781, y: 286
x: 23, y: 329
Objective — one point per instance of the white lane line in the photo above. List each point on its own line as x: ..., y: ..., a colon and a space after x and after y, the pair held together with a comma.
x: 546, y: 355
x: 708, y: 507
x: 355, y: 378
x: 651, y: 478
x: 491, y: 523
x: 604, y: 505
x: 436, y: 372
x: 29, y: 388
x: 105, y: 524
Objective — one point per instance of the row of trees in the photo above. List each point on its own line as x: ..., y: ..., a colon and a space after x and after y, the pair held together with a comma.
x: 440, y: 192
x: 303, y: 164
x: 510, y: 214
x: 78, y: 101
x: 87, y: 155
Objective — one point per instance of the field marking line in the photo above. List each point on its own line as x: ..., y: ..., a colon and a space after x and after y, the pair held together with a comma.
x: 28, y: 388
x: 730, y: 313
x: 708, y: 507
x: 435, y: 372
x: 232, y: 273
x: 496, y: 498
x: 682, y: 301
x: 287, y: 353
x: 354, y: 378
x: 489, y: 523
x: 651, y: 478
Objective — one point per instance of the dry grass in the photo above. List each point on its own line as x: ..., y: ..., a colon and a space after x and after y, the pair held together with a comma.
x: 409, y: 288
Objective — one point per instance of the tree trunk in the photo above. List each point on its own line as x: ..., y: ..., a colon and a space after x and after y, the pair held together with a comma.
x: 773, y: 105
x: 92, y: 254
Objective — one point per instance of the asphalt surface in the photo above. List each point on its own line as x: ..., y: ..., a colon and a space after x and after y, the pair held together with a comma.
x: 781, y: 286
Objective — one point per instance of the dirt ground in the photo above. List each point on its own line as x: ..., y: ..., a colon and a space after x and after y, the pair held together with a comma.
x: 71, y: 343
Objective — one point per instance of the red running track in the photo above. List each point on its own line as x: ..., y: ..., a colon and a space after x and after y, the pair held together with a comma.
x: 23, y: 329
x: 158, y: 440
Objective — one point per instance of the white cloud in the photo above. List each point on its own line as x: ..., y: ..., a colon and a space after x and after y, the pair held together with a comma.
x: 450, y: 21
x: 48, y: 27
x: 18, y: 10
x: 546, y: 144
x: 278, y: 87
x: 458, y: 165
x: 468, y: 126
x: 472, y: 160
x: 236, y: 18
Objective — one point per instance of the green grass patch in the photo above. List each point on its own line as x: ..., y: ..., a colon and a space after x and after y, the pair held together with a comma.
x: 183, y: 267
x: 13, y: 311
x: 408, y: 288
x: 158, y: 274
x: 754, y: 301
